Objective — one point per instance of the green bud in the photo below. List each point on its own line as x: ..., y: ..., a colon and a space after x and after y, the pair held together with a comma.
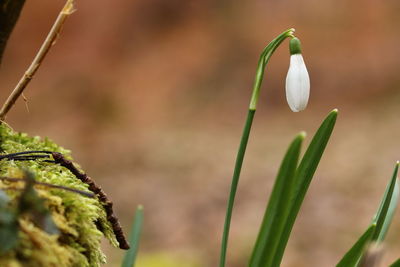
x: 295, y: 46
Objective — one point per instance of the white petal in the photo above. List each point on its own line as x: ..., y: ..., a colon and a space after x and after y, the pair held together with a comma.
x: 297, y: 84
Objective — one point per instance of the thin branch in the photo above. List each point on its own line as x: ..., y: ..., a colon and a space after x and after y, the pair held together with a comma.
x: 50, y: 40
x: 77, y: 191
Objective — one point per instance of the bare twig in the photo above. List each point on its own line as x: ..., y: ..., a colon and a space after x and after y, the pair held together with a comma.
x: 26, y: 102
x: 77, y: 191
x: 67, y: 10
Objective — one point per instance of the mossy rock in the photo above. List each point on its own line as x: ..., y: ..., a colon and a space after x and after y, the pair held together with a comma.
x: 81, y: 220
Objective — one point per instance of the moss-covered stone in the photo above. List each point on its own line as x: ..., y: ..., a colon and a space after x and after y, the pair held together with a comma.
x: 81, y: 220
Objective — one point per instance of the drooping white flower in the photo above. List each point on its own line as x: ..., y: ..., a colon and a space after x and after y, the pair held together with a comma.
x: 297, y: 79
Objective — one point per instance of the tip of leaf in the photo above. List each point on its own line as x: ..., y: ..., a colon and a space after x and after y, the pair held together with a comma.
x: 333, y: 114
x: 397, y: 163
x: 140, y: 207
x: 302, y: 135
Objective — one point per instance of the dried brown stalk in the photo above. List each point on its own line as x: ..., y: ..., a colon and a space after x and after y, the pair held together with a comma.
x: 50, y: 40
x: 108, y: 205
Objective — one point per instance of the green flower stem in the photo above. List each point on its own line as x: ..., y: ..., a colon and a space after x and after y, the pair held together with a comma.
x: 262, y: 63
x: 264, y: 58
x: 235, y: 181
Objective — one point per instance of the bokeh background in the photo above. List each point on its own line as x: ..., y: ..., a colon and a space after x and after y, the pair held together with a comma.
x: 151, y: 97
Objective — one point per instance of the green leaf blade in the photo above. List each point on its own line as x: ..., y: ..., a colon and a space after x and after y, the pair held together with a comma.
x: 277, y: 208
x: 395, y: 264
x: 352, y: 257
x: 303, y: 177
x: 134, y: 237
x: 387, y: 208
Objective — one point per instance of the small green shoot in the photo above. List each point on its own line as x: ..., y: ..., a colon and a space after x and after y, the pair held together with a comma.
x: 134, y: 238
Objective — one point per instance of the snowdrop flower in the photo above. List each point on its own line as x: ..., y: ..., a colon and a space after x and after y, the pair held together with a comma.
x: 297, y: 79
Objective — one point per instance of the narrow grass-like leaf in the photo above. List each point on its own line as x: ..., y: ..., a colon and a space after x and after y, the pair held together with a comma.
x: 134, y: 237
x: 386, y: 210
x: 395, y: 264
x: 277, y: 208
x: 351, y: 258
x: 392, y: 208
x: 303, y: 177
x: 381, y: 221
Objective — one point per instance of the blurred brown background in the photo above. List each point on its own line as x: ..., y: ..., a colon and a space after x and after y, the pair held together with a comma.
x: 151, y: 97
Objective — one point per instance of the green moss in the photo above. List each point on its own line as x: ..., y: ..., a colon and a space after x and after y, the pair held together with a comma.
x: 167, y: 260
x: 77, y: 217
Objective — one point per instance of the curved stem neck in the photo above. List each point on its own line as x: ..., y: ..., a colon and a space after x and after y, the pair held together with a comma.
x: 262, y: 63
